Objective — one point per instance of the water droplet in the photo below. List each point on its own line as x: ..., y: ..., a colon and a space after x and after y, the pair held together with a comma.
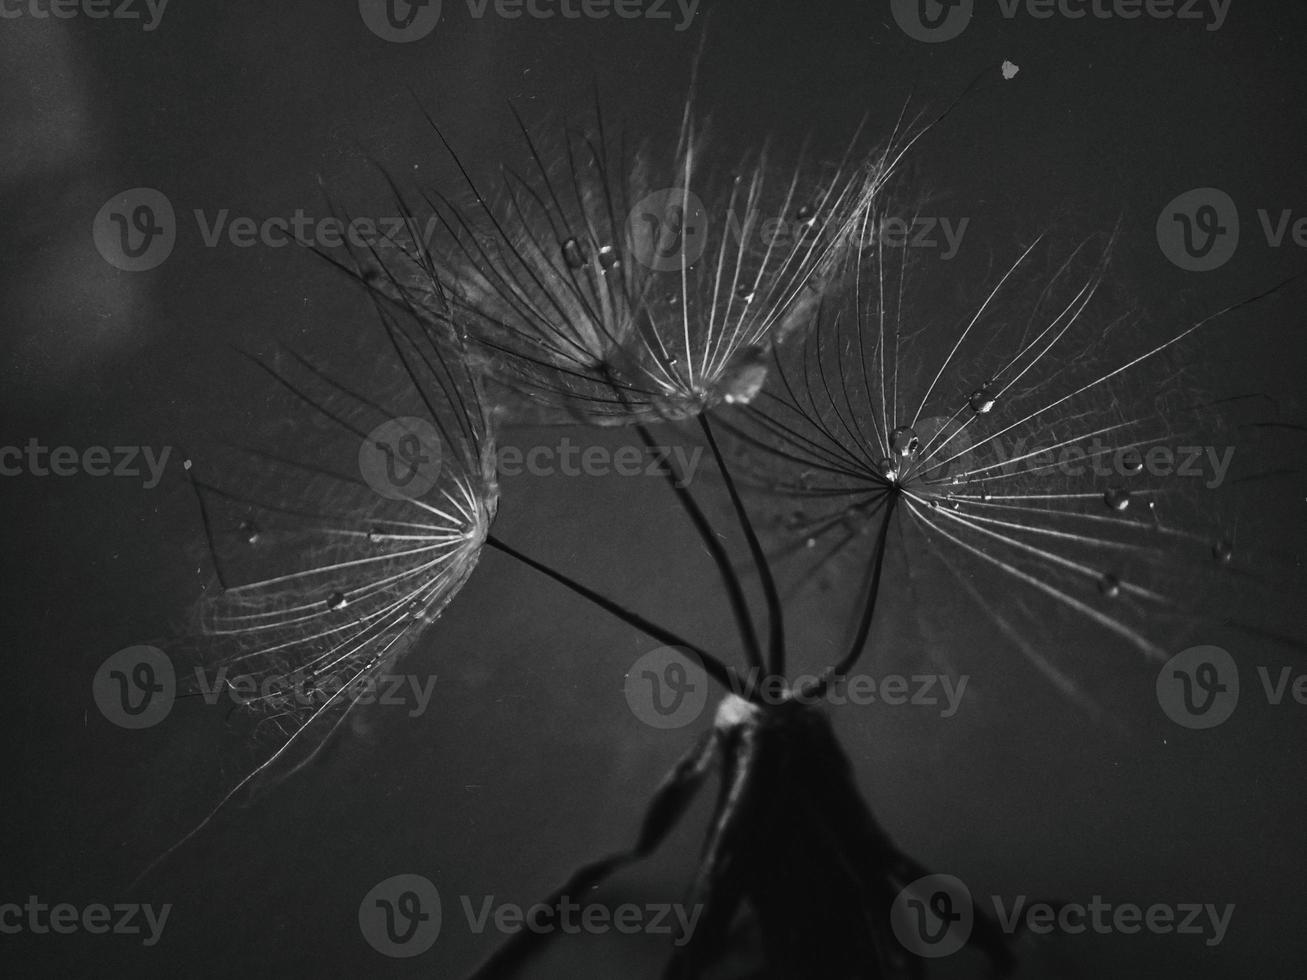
x: 608, y: 258
x: 745, y: 293
x: 889, y: 469
x: 983, y: 398
x: 1117, y: 498
x: 374, y: 535
x: 1222, y: 550
x: 810, y: 543
x: 336, y: 601
x: 742, y: 381
x: 575, y: 253
x: 934, y: 503
x: 986, y: 496
x: 806, y: 215
x: 1131, y: 461
x: 903, y: 442
x: 1109, y: 585
x: 251, y: 531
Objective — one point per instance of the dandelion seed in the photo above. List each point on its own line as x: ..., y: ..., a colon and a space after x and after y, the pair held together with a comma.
x: 1000, y: 503
x: 349, y: 569
x: 608, y: 287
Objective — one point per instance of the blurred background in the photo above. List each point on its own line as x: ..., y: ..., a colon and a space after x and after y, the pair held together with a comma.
x: 529, y: 760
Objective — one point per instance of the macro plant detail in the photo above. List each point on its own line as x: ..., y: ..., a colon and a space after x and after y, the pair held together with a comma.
x: 959, y: 446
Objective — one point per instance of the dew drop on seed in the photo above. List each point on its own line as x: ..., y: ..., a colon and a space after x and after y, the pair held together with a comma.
x: 986, y: 496
x: 1109, y: 585
x: 251, y: 531
x: 744, y: 293
x: 1131, y: 461
x: 374, y: 535
x: 608, y: 258
x: 1222, y: 550
x: 983, y: 398
x: 903, y: 442
x: 336, y: 601
x: 1117, y: 498
x: 742, y: 381
x: 574, y: 253
x: 889, y: 469
x: 806, y: 215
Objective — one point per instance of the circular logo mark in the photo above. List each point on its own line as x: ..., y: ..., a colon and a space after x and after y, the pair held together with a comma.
x: 932, y: 21
x: 933, y: 916
x: 1199, y: 230
x: 400, y: 459
x: 400, y: 917
x: 668, y: 229
x: 1199, y: 687
x: 667, y: 688
x: 136, y: 230
x: 135, y: 687
x: 401, y: 21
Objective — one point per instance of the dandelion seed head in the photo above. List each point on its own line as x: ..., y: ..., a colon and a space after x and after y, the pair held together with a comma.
x: 608, y: 285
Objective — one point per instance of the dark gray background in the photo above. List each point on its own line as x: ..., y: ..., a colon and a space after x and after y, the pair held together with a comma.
x: 530, y: 760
